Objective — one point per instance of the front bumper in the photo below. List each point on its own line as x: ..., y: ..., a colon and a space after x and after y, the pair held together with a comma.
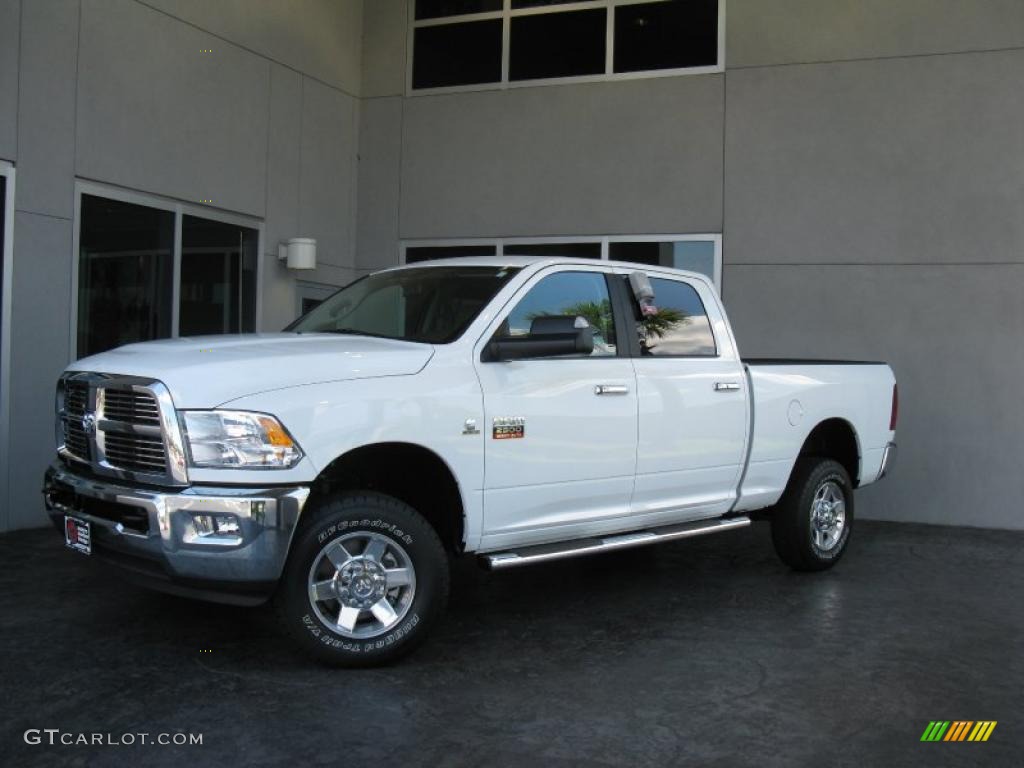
x: 154, y: 538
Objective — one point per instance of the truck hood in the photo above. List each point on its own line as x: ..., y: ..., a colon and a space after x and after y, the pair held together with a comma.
x: 206, y: 371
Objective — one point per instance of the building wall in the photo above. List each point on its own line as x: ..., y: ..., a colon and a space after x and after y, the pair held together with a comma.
x: 863, y: 160
x: 118, y: 91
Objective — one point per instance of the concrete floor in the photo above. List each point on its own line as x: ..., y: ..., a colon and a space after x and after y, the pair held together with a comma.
x: 706, y: 652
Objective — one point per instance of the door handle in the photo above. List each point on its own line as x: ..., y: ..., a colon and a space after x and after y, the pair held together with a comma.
x: 726, y: 386
x: 611, y: 389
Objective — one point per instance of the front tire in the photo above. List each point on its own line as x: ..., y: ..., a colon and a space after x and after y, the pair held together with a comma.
x: 812, y: 522
x: 365, y: 580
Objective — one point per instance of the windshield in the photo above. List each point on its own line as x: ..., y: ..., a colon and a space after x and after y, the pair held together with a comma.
x: 433, y: 305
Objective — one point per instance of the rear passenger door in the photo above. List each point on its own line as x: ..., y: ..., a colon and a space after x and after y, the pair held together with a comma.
x: 692, y: 395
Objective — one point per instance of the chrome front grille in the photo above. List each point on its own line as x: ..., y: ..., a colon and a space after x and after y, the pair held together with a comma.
x: 121, y: 426
x: 76, y: 403
x: 130, y: 407
x: 137, y: 453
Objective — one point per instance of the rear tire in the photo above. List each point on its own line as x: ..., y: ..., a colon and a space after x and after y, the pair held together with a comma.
x: 366, y: 578
x: 812, y: 522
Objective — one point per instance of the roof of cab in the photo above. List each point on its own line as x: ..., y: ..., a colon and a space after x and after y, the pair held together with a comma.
x: 543, y: 261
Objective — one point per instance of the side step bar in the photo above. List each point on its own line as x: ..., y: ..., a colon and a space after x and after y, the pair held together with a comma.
x: 541, y: 553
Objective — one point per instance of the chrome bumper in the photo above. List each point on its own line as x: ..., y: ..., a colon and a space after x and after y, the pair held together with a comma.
x: 888, y: 459
x: 154, y: 535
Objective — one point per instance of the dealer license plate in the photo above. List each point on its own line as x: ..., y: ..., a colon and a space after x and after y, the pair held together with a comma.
x: 78, y: 534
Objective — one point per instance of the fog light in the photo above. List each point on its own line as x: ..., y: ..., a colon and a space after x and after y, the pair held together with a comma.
x: 216, y: 525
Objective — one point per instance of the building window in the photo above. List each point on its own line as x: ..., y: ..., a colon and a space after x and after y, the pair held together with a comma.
x: 670, y: 35
x: 415, y: 253
x: 500, y: 43
x: 566, y: 44
x: 151, y: 271
x: 218, y: 277
x: 695, y: 253
x: 457, y: 54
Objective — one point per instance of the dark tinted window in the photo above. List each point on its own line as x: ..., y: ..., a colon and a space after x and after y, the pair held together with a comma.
x: 578, y: 294
x: 125, y: 274
x: 564, y: 44
x: 218, y: 277
x: 433, y: 9
x: 426, y: 304
x: 680, y: 326
x: 418, y: 253
x: 572, y: 250
x: 457, y: 54
x: 667, y: 35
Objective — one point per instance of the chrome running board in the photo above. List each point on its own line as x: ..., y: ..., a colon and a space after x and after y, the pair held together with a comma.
x: 541, y: 553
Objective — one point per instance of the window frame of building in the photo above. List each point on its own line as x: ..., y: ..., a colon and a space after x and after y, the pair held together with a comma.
x: 500, y: 243
x: 6, y: 263
x: 180, y: 209
x: 306, y: 290
x: 508, y: 13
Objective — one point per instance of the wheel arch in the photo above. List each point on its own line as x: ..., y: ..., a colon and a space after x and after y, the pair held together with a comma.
x: 407, y: 471
x: 837, y: 439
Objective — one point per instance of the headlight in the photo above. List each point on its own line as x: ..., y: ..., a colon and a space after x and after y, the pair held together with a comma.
x: 239, y: 440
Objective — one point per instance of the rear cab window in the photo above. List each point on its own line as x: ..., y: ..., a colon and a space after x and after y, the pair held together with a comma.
x: 677, y: 323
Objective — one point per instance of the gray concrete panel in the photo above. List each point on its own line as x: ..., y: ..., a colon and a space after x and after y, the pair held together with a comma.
x: 629, y: 157
x: 327, y: 189
x: 157, y: 113
x: 903, y: 160
x: 46, y: 107
x: 380, y: 151
x: 786, y: 31
x: 40, y: 324
x: 951, y: 333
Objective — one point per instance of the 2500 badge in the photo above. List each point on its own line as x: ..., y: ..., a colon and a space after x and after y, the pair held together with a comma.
x: 509, y: 427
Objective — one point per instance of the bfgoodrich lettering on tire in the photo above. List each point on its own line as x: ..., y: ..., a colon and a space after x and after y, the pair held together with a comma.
x: 812, y: 522
x: 366, y: 578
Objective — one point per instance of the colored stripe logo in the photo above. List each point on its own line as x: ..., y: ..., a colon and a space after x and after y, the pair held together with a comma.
x: 958, y: 730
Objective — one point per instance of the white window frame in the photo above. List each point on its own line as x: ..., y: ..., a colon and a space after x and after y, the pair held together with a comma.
x: 499, y: 244
x: 179, y: 209
x: 6, y: 264
x: 507, y: 14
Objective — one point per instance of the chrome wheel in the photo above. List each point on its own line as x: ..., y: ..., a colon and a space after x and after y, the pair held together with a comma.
x: 362, y: 584
x: 828, y: 515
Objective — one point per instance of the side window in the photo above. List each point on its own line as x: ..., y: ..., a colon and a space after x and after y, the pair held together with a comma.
x: 576, y: 294
x: 679, y: 327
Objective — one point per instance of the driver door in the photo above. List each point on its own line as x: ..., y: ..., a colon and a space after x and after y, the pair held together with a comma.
x: 570, y: 470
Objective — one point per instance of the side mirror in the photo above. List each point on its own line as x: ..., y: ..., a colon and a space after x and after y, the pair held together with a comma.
x: 549, y: 336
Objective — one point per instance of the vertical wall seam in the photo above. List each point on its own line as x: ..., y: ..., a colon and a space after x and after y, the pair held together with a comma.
x: 725, y: 139
x: 302, y: 116
x: 17, y: 86
x: 266, y: 155
x: 353, y: 194
x: 406, y: 68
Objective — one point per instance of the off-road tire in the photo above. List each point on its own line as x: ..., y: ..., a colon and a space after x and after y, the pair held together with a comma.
x: 791, y: 520
x: 348, y: 519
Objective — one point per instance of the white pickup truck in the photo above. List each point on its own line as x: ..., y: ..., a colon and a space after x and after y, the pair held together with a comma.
x: 521, y: 409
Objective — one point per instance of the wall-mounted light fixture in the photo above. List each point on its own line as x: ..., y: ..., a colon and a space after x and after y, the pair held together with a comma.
x: 298, y: 252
